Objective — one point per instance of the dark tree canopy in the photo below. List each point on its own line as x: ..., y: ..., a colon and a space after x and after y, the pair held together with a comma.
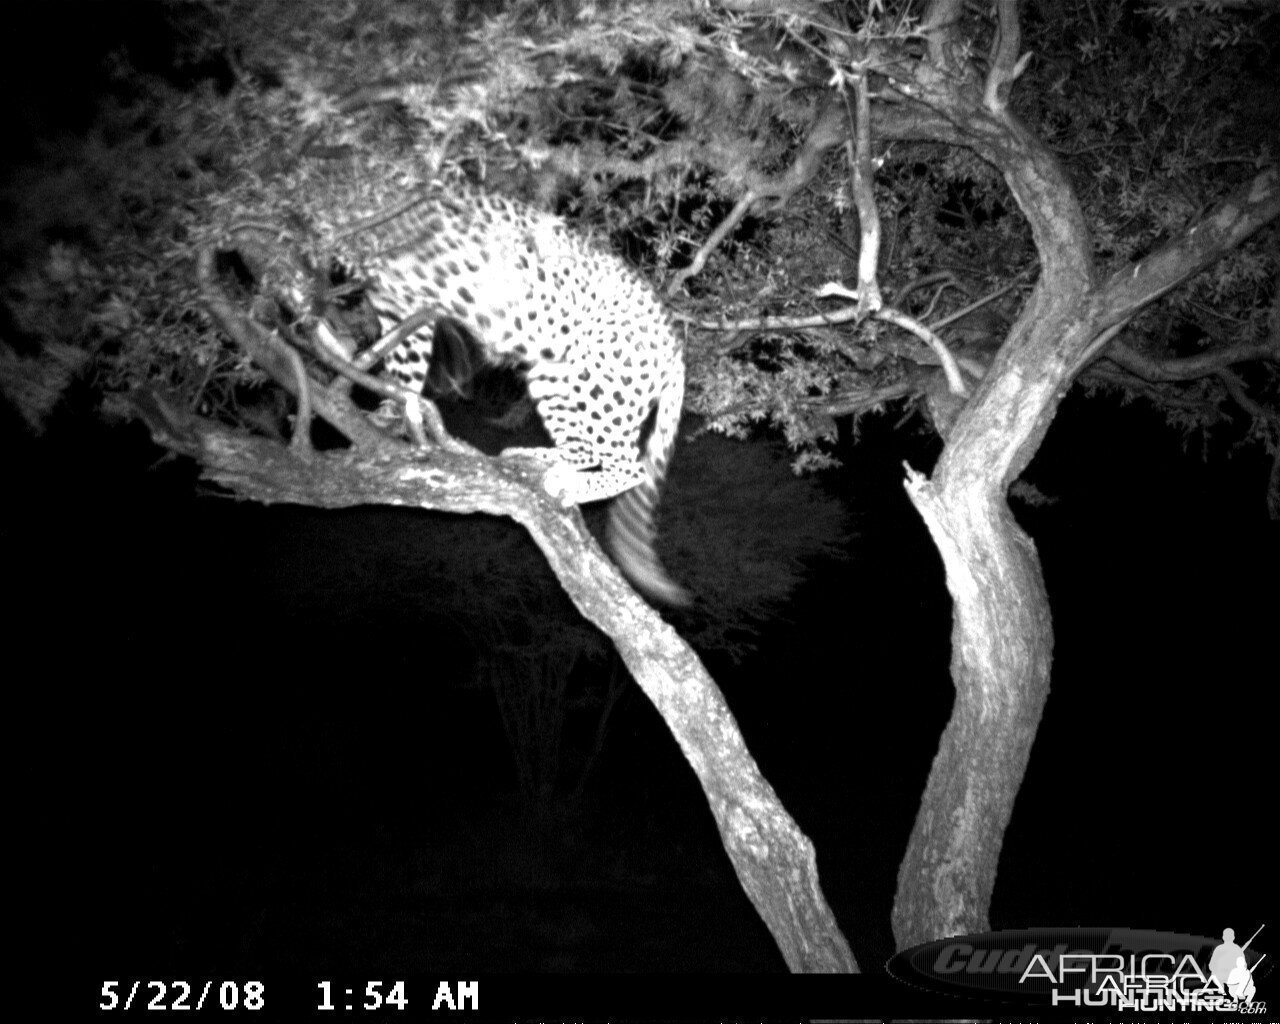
x: 706, y: 142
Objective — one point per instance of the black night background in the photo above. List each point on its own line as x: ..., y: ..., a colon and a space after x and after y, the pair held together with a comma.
x: 249, y: 737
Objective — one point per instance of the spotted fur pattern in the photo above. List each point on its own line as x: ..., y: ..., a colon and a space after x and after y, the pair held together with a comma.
x: 604, y: 366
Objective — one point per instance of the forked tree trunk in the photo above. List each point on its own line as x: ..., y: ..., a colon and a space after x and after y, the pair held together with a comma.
x: 1002, y: 637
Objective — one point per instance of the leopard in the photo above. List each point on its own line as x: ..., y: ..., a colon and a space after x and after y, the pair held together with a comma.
x: 598, y: 350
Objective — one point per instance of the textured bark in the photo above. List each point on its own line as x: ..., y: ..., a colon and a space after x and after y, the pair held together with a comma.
x: 1002, y: 636
x: 775, y: 862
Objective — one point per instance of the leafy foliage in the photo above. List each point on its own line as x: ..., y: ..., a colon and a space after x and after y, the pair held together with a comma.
x: 1158, y: 115
x: 647, y: 122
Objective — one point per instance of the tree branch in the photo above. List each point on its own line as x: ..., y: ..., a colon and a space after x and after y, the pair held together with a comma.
x: 939, y: 29
x: 713, y: 241
x: 1189, y: 367
x: 1245, y: 211
x: 775, y: 862
x: 864, y: 197
x: 827, y: 131
x: 1006, y: 66
x: 275, y: 357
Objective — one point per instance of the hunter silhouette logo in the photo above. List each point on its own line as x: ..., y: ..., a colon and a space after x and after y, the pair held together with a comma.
x: 1230, y: 971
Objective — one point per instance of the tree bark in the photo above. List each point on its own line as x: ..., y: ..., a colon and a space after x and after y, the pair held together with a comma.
x: 1002, y: 636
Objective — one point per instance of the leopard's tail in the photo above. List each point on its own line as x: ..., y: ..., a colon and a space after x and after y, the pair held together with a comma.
x: 631, y: 517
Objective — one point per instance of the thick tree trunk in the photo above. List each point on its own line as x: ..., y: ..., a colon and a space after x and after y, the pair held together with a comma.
x: 1002, y: 639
